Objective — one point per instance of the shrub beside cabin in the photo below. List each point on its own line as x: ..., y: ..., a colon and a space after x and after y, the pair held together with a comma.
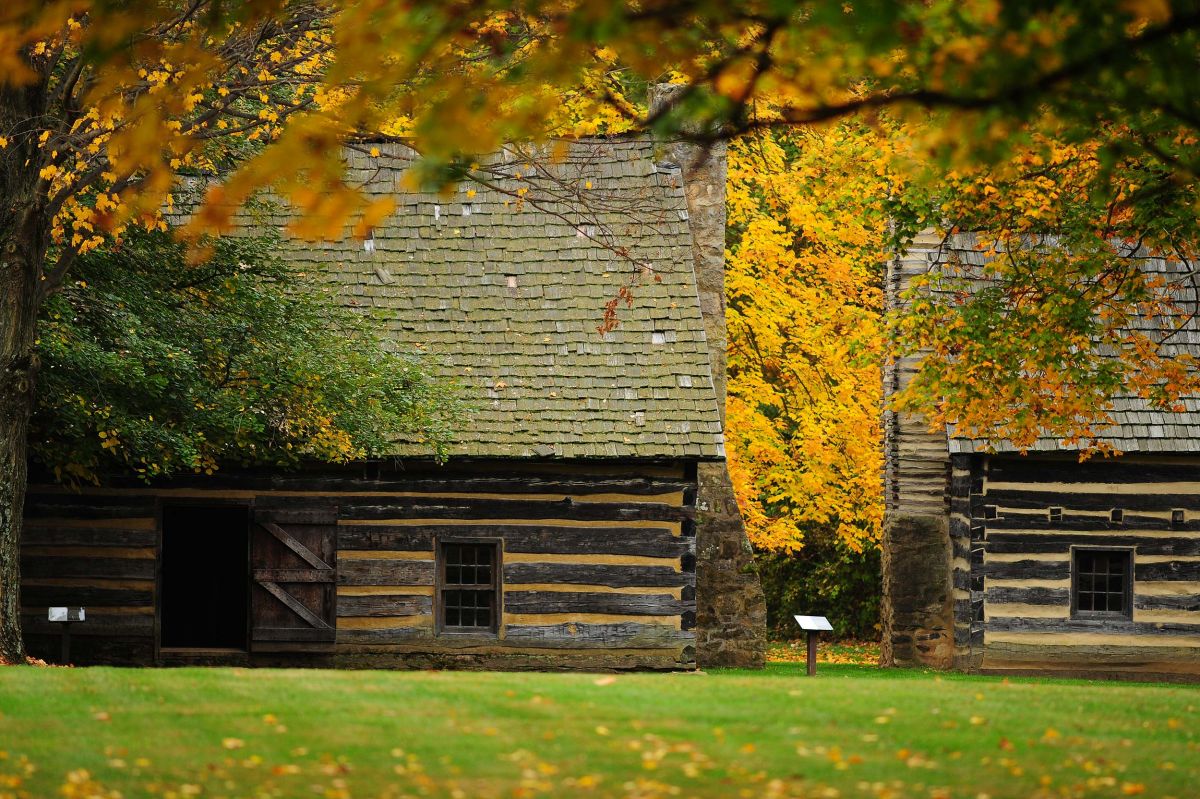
x: 1014, y: 563
x: 560, y: 534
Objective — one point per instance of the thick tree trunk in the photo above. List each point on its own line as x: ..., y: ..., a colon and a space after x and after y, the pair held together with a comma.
x: 18, y: 364
x: 23, y: 240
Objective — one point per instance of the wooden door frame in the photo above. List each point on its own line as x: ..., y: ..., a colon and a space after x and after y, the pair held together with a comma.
x: 161, y: 503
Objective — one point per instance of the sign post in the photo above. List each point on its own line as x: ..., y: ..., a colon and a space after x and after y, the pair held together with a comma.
x: 813, y: 625
x: 65, y: 616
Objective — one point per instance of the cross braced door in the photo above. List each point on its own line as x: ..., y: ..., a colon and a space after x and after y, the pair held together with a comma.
x: 293, y: 602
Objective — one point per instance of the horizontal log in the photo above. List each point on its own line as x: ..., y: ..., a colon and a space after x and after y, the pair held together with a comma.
x: 1115, y: 626
x: 626, y: 635
x: 391, y: 635
x: 1027, y: 570
x: 385, y: 605
x: 432, y: 508
x: 385, y: 572
x: 403, y: 538
x: 1028, y: 596
x: 649, y: 541
x: 1171, y: 602
x: 645, y: 541
x: 87, y: 536
x: 1125, y: 470
x: 1167, y: 570
x: 89, y: 506
x: 1039, y: 520
x: 1091, y: 501
x: 484, y: 484
x: 94, y: 650
x: 1145, y: 545
x: 42, y: 566
x: 1092, y: 658
x: 593, y: 602
x: 408, y: 472
x: 36, y: 623
x: 85, y: 596
x: 615, y: 576
x: 291, y: 510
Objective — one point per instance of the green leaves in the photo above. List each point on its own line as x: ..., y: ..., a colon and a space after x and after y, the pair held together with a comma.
x: 156, y: 366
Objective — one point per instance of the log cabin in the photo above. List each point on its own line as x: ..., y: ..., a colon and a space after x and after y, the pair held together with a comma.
x: 562, y: 530
x: 1004, y: 562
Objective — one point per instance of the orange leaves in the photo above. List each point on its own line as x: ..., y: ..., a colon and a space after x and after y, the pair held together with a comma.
x: 1032, y: 325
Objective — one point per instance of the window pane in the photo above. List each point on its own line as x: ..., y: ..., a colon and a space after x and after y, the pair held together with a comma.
x: 1083, y: 562
x: 469, y: 596
x: 1102, y: 581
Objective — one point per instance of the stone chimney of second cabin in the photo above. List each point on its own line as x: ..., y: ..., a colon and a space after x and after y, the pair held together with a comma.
x: 731, y: 613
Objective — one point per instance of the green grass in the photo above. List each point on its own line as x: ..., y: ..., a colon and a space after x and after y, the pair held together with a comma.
x: 852, y: 731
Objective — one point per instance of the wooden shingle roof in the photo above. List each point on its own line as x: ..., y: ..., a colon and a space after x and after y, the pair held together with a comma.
x: 506, y: 293
x: 1139, y: 426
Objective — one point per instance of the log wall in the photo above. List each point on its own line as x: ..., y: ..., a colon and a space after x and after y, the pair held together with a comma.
x: 599, y: 563
x: 1015, y: 562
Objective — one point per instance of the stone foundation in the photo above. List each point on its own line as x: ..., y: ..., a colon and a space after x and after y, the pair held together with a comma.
x: 731, y: 613
x: 918, y: 598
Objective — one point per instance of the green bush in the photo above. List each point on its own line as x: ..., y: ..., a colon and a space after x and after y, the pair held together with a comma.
x: 823, y: 579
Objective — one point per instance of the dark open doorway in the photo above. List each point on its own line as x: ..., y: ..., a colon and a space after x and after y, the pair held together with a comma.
x: 205, y: 577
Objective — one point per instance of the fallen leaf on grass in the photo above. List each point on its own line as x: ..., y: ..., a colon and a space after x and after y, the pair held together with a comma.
x: 609, y: 680
x: 233, y: 743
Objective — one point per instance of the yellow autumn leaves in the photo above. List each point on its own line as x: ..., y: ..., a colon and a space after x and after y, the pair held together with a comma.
x: 805, y: 332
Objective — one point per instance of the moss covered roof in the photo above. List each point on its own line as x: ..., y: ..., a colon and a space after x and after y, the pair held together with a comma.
x: 506, y: 291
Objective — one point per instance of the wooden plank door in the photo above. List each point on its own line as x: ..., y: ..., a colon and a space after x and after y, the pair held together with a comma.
x: 293, y: 599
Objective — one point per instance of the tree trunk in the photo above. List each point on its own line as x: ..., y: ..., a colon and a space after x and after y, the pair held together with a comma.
x: 23, y: 241
x: 18, y: 364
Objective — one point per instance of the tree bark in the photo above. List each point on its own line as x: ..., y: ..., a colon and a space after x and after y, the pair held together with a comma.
x: 23, y: 242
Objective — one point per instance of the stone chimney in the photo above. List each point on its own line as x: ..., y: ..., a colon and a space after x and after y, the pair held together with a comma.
x: 731, y: 613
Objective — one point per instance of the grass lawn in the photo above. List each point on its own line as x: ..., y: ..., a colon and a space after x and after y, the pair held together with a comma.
x: 853, y: 731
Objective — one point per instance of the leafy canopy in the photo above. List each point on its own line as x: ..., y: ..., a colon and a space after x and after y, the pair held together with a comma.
x: 1062, y: 315
x: 158, y: 366
x: 125, y: 95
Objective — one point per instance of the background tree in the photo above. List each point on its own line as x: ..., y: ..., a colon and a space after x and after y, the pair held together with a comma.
x: 1036, y: 341
x: 155, y: 366
x: 808, y: 233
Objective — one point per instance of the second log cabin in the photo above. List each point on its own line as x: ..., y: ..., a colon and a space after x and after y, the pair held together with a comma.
x: 1041, y: 562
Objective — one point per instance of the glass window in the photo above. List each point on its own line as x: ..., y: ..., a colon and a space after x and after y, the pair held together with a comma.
x: 1102, y: 582
x: 470, y: 588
